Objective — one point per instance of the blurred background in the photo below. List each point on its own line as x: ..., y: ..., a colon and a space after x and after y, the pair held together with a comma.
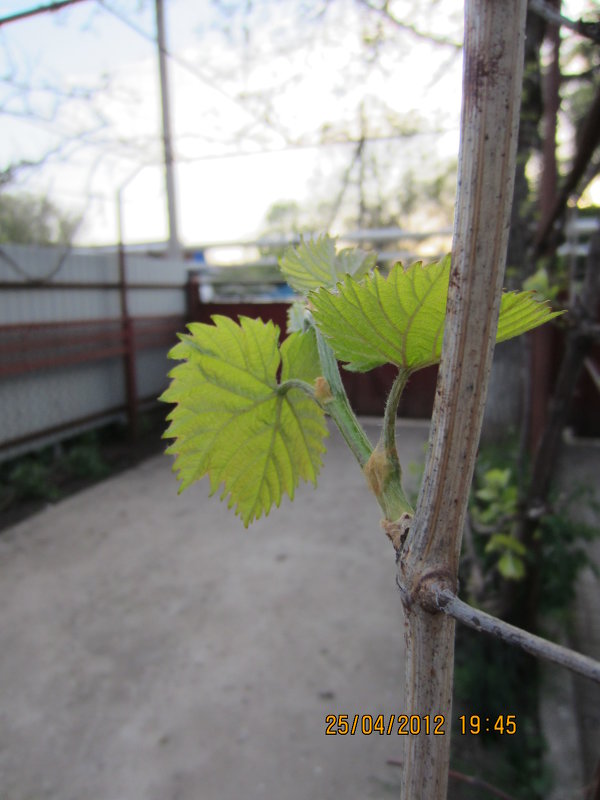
x: 157, y: 156
x: 280, y: 116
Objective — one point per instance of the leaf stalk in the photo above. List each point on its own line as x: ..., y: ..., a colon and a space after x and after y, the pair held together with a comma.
x: 296, y: 383
x: 388, y: 434
x: 383, y: 471
x: 383, y: 474
x: 388, y: 439
x: 339, y: 408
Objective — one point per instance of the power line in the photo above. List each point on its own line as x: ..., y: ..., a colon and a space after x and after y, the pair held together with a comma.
x: 192, y: 70
x: 390, y: 137
x: 33, y: 12
x: 206, y: 80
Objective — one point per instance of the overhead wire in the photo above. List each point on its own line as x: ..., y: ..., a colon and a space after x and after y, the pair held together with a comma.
x: 181, y: 62
x: 32, y: 12
x: 191, y: 69
x: 209, y: 81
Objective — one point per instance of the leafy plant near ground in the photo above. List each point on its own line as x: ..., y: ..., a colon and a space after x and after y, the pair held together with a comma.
x: 560, y: 537
x: 31, y: 478
x: 493, y: 515
x: 52, y: 472
x: 41, y: 475
x: 250, y: 412
x: 489, y: 676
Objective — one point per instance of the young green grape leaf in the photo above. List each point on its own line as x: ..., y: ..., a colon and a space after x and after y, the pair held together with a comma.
x: 234, y: 422
x: 521, y: 312
x: 539, y: 282
x: 300, y: 357
x: 297, y: 317
x: 315, y: 263
x: 400, y: 319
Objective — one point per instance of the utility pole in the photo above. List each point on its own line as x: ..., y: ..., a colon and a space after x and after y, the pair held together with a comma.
x: 174, y: 247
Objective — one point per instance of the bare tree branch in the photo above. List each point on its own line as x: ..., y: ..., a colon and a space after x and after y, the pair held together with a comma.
x: 589, y: 30
x: 406, y: 26
x: 578, y: 345
x: 587, y: 142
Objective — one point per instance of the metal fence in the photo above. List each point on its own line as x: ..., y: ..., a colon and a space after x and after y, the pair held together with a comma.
x: 83, y: 340
x: 84, y: 334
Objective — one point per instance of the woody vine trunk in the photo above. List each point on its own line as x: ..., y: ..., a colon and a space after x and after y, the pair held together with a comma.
x: 428, y: 562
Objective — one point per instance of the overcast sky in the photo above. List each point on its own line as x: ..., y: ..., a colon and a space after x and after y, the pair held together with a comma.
x: 303, y: 69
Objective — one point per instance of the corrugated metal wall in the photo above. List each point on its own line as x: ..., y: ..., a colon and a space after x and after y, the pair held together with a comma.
x: 67, y: 339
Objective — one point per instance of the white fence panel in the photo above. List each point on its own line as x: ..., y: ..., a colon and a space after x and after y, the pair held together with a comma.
x: 62, y: 349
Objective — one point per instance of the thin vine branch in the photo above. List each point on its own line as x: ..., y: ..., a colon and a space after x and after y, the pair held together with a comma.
x: 536, y: 645
x: 295, y: 383
x: 492, y: 81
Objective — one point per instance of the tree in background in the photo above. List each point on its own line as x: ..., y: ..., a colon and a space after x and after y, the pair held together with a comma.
x: 384, y: 158
x: 47, y: 118
x: 25, y: 219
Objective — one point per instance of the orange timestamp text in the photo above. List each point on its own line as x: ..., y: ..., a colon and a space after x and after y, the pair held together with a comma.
x: 384, y: 724
x: 476, y: 724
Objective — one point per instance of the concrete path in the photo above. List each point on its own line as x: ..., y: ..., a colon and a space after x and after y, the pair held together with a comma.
x: 153, y: 649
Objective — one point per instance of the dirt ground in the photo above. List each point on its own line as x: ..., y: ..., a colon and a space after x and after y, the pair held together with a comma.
x: 153, y: 649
